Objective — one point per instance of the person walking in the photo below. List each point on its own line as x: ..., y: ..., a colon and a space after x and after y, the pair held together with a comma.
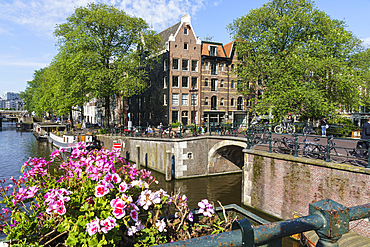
x: 324, y: 125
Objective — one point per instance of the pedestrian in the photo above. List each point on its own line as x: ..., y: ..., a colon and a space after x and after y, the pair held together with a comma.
x: 218, y: 126
x: 324, y: 125
x: 365, y: 135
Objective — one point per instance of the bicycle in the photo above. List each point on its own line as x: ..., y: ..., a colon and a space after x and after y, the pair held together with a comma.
x: 308, y: 129
x: 360, y: 154
x: 254, y: 132
x: 316, y: 151
x: 285, y: 145
x: 288, y: 128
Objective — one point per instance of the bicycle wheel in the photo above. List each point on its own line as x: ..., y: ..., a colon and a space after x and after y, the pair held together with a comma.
x: 338, y: 154
x: 311, y: 151
x: 279, y: 147
x: 278, y: 129
x: 307, y: 130
x: 360, y: 157
x: 290, y: 129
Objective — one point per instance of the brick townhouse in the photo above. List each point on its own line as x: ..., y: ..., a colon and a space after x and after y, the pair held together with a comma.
x: 190, y: 75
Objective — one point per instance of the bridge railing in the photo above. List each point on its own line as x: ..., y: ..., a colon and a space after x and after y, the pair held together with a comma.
x: 328, y: 218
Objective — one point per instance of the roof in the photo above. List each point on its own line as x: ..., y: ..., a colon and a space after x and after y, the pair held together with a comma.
x: 228, y: 48
x: 220, y: 48
x: 165, y: 34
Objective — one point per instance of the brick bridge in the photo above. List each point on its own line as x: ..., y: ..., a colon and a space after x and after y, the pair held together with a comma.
x: 281, y: 185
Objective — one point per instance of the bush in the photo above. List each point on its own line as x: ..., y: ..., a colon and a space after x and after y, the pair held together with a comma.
x: 175, y: 125
x: 96, y: 199
x: 101, y: 131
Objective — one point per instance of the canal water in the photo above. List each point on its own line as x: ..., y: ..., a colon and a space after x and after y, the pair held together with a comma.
x: 17, y: 147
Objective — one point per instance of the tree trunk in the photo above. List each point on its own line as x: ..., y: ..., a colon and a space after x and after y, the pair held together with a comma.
x: 71, y: 118
x: 106, y: 112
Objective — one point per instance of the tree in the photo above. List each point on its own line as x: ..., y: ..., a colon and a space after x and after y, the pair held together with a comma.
x: 300, y: 55
x: 111, y: 46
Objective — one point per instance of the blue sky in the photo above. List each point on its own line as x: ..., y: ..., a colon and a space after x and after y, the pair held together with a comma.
x: 26, y: 26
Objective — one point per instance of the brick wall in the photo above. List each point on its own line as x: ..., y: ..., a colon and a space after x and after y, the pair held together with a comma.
x: 287, y: 187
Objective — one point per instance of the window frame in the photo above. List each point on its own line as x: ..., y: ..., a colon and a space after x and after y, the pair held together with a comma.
x: 175, y: 76
x: 174, y: 99
x: 187, y: 65
x: 185, y: 99
x: 173, y: 63
x: 192, y: 65
x: 187, y: 81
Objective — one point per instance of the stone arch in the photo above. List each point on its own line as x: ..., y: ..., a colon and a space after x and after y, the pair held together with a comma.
x: 213, y: 153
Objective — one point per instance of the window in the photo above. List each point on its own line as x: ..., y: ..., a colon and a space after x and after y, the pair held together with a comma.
x: 175, y: 81
x: 185, y: 81
x: 194, y: 82
x: 232, y: 84
x: 194, y: 65
x: 184, y: 117
x: 213, y: 50
x: 240, y: 103
x: 185, y: 99
x: 175, y: 63
x: 221, y: 102
x: 164, y: 99
x: 165, y: 82
x: 232, y: 103
x: 185, y: 46
x: 185, y: 31
x: 175, y: 116
x: 213, y: 68
x: 222, y: 83
x: 175, y: 99
x: 185, y: 64
x: 206, y: 82
x: 206, y: 66
x: 213, y: 84
x: 206, y: 101
x: 222, y: 67
x: 214, y: 103
x: 194, y: 99
x: 165, y: 65
x: 232, y: 66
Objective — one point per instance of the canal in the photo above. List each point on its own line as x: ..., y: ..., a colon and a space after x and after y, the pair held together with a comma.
x: 17, y: 147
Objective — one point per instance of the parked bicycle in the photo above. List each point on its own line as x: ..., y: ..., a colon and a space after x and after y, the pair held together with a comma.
x: 360, y: 154
x: 308, y: 129
x: 285, y: 145
x: 287, y: 127
x: 258, y: 134
x: 317, y: 151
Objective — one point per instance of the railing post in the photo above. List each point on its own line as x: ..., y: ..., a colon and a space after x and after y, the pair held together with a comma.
x: 209, y: 128
x: 337, y: 219
x: 270, y: 147
x: 234, y: 128
x: 180, y: 127
x: 345, y: 131
x: 327, y: 150
x: 248, y: 139
x: 295, y: 137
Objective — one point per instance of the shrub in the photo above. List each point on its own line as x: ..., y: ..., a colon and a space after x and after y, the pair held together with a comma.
x: 101, y: 131
x: 96, y: 199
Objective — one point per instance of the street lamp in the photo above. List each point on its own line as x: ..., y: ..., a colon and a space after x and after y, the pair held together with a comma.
x: 193, y: 93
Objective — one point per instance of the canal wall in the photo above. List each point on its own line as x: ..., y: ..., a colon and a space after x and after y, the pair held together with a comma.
x: 284, y: 185
x: 180, y: 158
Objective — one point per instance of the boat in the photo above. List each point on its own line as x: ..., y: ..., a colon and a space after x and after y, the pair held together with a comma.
x: 41, y: 130
x: 68, y: 140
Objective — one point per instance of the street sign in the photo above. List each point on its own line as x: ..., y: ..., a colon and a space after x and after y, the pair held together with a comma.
x: 117, y: 145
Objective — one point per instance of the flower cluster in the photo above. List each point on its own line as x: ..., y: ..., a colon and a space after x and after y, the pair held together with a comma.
x: 98, y: 225
x: 55, y: 200
x: 206, y: 208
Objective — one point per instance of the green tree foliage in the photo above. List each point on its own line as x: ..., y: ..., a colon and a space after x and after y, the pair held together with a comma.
x: 101, y: 51
x: 300, y: 55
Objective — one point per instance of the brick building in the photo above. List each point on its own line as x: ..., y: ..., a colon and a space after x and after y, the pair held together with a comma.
x: 190, y: 79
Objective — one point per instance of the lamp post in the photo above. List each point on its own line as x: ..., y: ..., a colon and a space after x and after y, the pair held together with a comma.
x: 193, y: 93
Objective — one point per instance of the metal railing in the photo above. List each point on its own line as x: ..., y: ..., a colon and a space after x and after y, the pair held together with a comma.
x: 328, y: 218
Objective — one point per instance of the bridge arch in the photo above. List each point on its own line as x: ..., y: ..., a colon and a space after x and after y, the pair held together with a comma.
x: 229, y: 150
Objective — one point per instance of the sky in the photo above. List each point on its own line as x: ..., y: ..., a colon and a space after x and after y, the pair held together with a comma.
x: 26, y: 26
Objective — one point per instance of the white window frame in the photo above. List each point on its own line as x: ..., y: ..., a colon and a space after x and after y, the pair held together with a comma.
x: 177, y: 81
x: 164, y: 99
x: 196, y: 86
x: 206, y: 66
x: 186, y: 31
x: 165, y: 82
x: 182, y: 81
x: 173, y: 63
x: 196, y: 65
x: 175, y: 99
x: 222, y: 102
x: 185, y: 99
x: 187, y: 65
x: 165, y: 65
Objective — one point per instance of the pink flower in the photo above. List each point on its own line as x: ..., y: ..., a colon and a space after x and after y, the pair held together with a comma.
x: 108, y: 224
x: 161, y: 225
x: 123, y: 187
x: 93, y: 227
x: 118, y: 202
x: 119, y: 213
x: 206, y: 208
x: 134, y: 215
x: 101, y: 191
x: 31, y: 191
x: 116, y: 178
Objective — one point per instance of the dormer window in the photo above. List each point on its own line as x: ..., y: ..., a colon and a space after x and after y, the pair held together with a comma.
x: 186, y: 31
x: 213, y: 50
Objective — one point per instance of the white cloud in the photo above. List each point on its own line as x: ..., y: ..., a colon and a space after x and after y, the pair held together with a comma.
x: 43, y: 15
x: 366, y: 42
